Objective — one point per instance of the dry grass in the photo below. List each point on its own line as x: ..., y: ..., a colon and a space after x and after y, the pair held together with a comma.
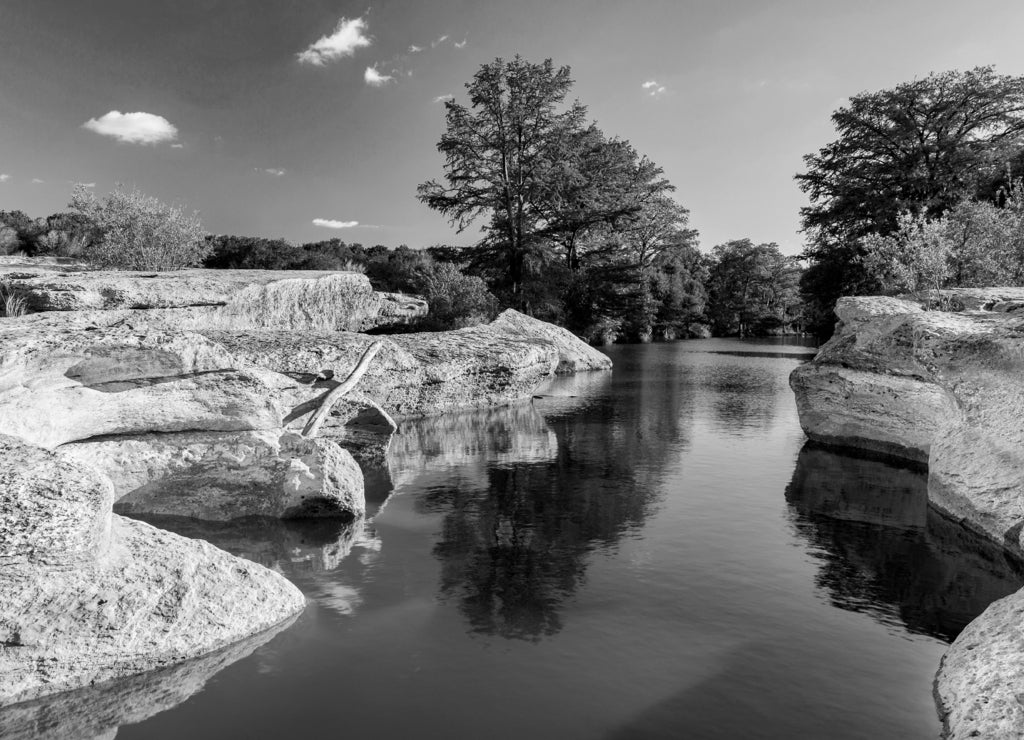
x: 12, y: 304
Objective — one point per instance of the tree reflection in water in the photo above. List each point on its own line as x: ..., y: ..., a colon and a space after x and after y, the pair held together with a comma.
x: 884, y: 551
x: 517, y: 537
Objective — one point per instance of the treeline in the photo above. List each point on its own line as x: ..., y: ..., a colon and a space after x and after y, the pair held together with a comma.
x: 920, y: 190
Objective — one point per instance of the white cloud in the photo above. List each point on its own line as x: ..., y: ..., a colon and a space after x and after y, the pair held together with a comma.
x: 347, y: 37
x: 440, y: 40
x: 133, y: 128
x: 37, y: 181
x: 413, y: 49
x: 374, y: 78
x: 87, y: 184
x: 275, y: 171
x: 327, y: 223
x: 460, y: 44
x: 4, y: 177
x: 653, y: 87
x: 443, y: 98
x: 177, y: 146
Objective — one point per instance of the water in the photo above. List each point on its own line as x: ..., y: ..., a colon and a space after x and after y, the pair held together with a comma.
x: 653, y: 553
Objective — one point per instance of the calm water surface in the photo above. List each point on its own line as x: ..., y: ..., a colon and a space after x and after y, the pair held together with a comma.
x: 652, y: 553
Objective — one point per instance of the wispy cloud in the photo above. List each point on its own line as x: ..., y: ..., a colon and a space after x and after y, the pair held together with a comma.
x: 375, y: 78
x: 460, y: 44
x: 4, y: 177
x: 37, y: 181
x: 444, y: 98
x: 275, y: 171
x: 133, y: 128
x: 653, y: 87
x: 413, y: 49
x: 177, y: 146
x: 327, y: 223
x: 349, y: 36
x: 439, y: 40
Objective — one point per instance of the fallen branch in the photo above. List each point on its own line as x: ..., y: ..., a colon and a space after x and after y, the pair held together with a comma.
x: 317, y: 420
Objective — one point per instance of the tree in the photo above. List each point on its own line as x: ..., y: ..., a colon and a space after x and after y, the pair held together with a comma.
x: 501, y: 158
x: 921, y: 148
x: 752, y: 289
x: 133, y: 231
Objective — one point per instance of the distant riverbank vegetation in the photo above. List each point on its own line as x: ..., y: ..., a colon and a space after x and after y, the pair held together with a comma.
x: 921, y: 189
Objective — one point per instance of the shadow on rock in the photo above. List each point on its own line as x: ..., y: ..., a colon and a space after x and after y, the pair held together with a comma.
x: 884, y: 551
x: 293, y: 546
x: 99, y: 710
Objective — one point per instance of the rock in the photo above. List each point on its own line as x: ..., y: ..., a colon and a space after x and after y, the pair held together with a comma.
x: 980, y: 683
x: 87, y: 596
x: 574, y: 355
x: 58, y: 386
x: 225, y: 475
x: 910, y: 378
x: 356, y: 422
x: 414, y: 374
x: 223, y: 299
x: 97, y: 711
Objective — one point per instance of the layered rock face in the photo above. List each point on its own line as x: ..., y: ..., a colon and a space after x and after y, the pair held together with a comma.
x: 90, y: 596
x: 938, y: 379
x: 224, y: 299
x: 180, y: 424
x: 427, y: 373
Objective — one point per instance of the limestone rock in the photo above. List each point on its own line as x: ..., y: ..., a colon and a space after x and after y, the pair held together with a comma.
x: 414, y: 374
x: 99, y: 710
x: 224, y: 299
x: 574, y: 355
x: 225, y: 475
x: 980, y: 683
x: 86, y: 596
x: 356, y: 422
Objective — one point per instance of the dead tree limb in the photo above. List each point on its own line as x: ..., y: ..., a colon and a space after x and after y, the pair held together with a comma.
x: 315, y: 421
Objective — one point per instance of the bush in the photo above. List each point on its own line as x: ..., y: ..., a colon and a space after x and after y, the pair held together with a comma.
x: 133, y: 231
x: 456, y: 300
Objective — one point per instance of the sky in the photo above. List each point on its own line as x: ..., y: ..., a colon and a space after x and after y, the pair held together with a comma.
x: 316, y: 119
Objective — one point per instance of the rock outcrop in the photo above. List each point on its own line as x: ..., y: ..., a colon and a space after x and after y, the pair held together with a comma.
x: 87, y: 596
x: 937, y: 379
x: 417, y: 374
x: 574, y: 355
x: 223, y: 299
x: 180, y: 424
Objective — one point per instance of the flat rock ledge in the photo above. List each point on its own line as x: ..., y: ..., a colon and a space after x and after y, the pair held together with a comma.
x: 936, y: 378
x: 87, y: 596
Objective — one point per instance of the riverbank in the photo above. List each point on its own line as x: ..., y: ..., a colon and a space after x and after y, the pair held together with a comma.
x: 936, y: 380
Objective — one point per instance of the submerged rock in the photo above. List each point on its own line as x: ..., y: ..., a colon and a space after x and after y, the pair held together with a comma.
x: 87, y: 596
x: 225, y: 299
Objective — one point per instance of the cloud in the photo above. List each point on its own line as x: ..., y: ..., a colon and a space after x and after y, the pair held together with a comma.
x: 653, y: 87
x: 275, y: 171
x: 87, y: 184
x: 347, y: 37
x: 413, y: 49
x: 4, y: 177
x: 177, y: 146
x: 443, y: 98
x: 374, y: 78
x: 133, y: 128
x: 37, y: 181
x: 326, y: 223
x: 460, y: 44
x: 441, y: 40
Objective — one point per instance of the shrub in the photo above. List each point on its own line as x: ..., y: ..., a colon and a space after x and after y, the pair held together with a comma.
x: 456, y: 300
x: 133, y: 231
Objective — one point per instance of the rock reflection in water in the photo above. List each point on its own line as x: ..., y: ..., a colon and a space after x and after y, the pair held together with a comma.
x: 98, y: 711
x: 885, y: 552
x: 292, y: 546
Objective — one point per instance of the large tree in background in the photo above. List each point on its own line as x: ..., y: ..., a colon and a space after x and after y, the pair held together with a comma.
x: 917, y: 148
x: 752, y: 289
x: 501, y: 158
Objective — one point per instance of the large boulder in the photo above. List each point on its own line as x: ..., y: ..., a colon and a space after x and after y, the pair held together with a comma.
x: 938, y: 378
x: 574, y: 355
x: 980, y: 683
x: 226, y: 475
x: 87, y: 596
x: 225, y: 299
